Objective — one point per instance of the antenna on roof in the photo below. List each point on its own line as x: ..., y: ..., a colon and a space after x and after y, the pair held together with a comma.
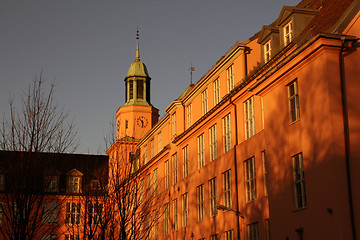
x: 191, y: 69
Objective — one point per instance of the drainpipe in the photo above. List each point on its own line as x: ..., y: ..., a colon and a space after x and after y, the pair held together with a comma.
x: 346, y: 135
x: 236, y: 173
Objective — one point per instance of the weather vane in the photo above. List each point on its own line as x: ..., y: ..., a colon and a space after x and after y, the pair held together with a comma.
x: 191, y: 69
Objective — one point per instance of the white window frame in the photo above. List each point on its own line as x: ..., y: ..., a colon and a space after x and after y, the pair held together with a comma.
x: 145, y: 154
x: 73, y: 213
x: 299, y: 181
x: 166, y: 174
x: 50, y: 212
x: 173, y: 117
x: 148, y: 186
x: 189, y: 115
x: 75, y: 184
x: 212, y: 197
x: 152, y: 148
x: 185, y: 210
x: 217, y: 91
x: 201, y: 150
x: 166, y: 219
x: 249, y: 117
x: 267, y: 51
x: 294, y: 105
x: 174, y: 168
x: 95, y: 213
x: 288, y: 33
x: 253, y: 231
x: 227, y: 188
x: 265, y: 172
x: 185, y: 152
x: 175, y: 215
x: 250, y: 179
x: 156, y: 182
x: 230, y: 78
x: 204, y: 98
x: 227, y: 133
x: 229, y: 235
x: 51, y: 183
x: 159, y: 142
x: 213, y: 142
x: 200, y: 202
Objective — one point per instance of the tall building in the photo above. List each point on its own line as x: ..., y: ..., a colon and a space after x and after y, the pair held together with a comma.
x: 266, y: 144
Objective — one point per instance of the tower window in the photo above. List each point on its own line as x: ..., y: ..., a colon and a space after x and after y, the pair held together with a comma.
x: 140, y: 89
x: 131, y: 89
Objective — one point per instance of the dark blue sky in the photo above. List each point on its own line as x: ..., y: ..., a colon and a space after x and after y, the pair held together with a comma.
x: 87, y: 46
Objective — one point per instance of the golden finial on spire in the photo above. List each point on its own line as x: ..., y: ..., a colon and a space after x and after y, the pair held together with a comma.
x: 137, y: 44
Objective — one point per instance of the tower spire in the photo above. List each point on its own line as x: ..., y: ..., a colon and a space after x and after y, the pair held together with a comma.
x: 137, y: 44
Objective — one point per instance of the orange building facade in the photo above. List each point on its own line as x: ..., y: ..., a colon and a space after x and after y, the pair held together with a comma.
x: 266, y: 144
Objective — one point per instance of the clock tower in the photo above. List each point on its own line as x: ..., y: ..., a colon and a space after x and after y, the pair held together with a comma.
x: 137, y: 116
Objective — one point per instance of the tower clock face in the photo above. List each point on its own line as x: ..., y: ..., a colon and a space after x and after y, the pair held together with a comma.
x: 142, y: 121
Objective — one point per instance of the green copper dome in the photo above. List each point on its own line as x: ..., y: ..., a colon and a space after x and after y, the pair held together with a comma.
x: 137, y: 69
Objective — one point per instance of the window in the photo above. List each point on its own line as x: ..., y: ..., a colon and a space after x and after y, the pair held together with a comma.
x: 229, y: 235
x: 155, y: 223
x: 189, y: 115
x: 142, y: 190
x: 288, y: 33
x: 166, y: 219
x: 174, y: 168
x: 159, y: 142
x: 73, y: 213
x: 212, y: 196
x: 145, y: 155
x: 294, y: 108
x: 51, y: 183
x: 267, y: 228
x: 75, y: 184
x: 200, y: 202
x: 249, y: 118
x: 156, y: 183
x: 185, y: 152
x: 265, y: 172
x: 166, y: 174
x: 48, y: 237
x: 185, y: 210
x: 148, y: 186
x: 250, y: 179
x: 95, y: 184
x: 213, y: 143
x: 94, y: 213
x: 71, y: 237
x: 140, y: 89
x: 299, y: 181
x: 201, y: 151
x: 50, y: 212
x: 227, y: 133
x: 216, y: 91
x: 227, y: 189
x: 174, y: 124
x: 131, y: 89
x: 230, y: 78
x: 175, y: 215
x: 214, y: 237
x: 267, y: 51
x: 253, y: 231
x: 204, y: 97
x: 152, y: 149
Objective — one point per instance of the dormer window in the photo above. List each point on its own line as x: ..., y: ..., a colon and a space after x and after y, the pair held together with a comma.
x: 95, y: 184
x: 267, y: 51
x: 73, y: 182
x: 51, y: 183
x: 288, y: 33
